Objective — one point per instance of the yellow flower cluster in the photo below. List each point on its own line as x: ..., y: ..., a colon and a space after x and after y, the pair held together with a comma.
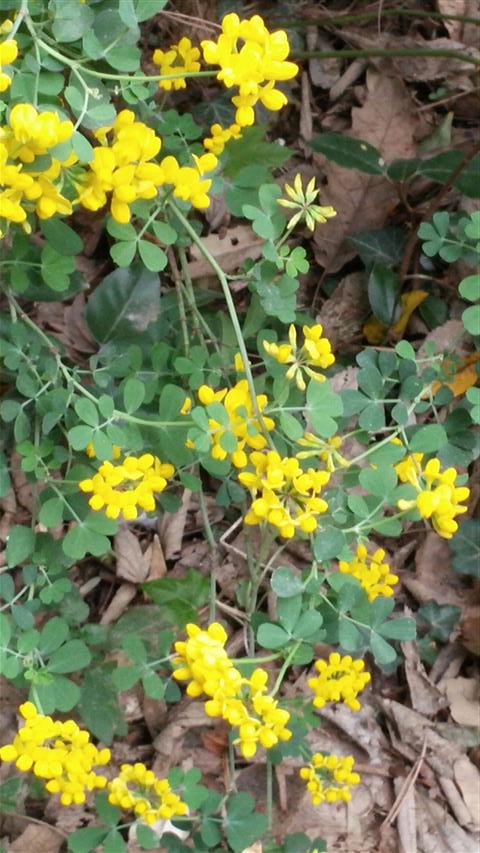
x: 220, y: 136
x: 130, y: 485
x: 242, y: 424
x: 303, y: 202
x: 122, y: 169
x: 327, y: 450
x: 25, y: 188
x: 339, y: 679
x: 60, y: 753
x: 284, y: 494
x: 204, y: 663
x: 314, y: 352
x: 253, y: 60
x: 8, y: 54
x: 374, y: 575
x: 438, y: 498
x: 329, y: 778
x: 181, y: 57
x: 139, y: 790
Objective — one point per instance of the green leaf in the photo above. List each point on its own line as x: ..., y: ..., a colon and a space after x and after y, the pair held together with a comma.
x: 146, y: 9
x: 402, y: 628
x: 56, y: 269
x: 70, y: 657
x: 440, y: 619
x: 428, y: 438
x: 125, y: 307
x: 272, y: 636
x: 87, y: 411
x: 53, y: 634
x: 384, y: 246
x: 98, y: 705
x: 328, y: 543
x: 471, y: 320
x: 123, y: 253
x: 405, y: 350
x: 465, y: 546
x: 370, y: 380
x: 288, y: 611
x: 79, y: 437
x: 71, y: 20
x: 253, y: 148
x: 323, y: 406
x: 349, y: 636
x: 133, y: 394
x: 469, y: 287
x: 81, y: 540
x: 64, y: 239
x: 307, y: 625
x: 20, y: 544
x: 125, y: 677
x: 285, y: 583
x: 382, y: 651
x: 379, y: 482
x: 383, y: 290
x: 348, y: 152
x: 153, y: 685
x: 243, y: 826
x: 152, y: 256
x: 107, y: 813
x: 87, y: 839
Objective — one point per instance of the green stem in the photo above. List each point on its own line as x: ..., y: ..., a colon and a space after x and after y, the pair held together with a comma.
x: 385, y: 52
x: 231, y: 310
x: 269, y: 795
x: 264, y: 659
x: 285, y: 665
x: 213, y: 553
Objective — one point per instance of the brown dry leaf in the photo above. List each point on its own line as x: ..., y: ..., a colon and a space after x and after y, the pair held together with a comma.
x: 324, y: 73
x: 449, y: 337
x: 425, y: 697
x: 387, y: 120
x: 467, y: 778
x: 155, y: 560
x: 438, y: 832
x: 434, y: 577
x: 38, y: 837
x: 230, y: 249
x: 432, y: 67
x: 406, y: 818
x: 470, y: 630
x: 131, y: 564
x: 463, y: 695
x: 76, y: 329
x: 342, y: 315
x: 120, y: 601
x: 172, y: 527
x: 23, y: 489
x: 255, y: 848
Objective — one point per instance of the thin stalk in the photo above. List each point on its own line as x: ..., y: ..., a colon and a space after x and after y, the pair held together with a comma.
x: 231, y: 310
x: 352, y: 53
x: 213, y: 553
x: 181, y: 305
x: 285, y: 665
x: 341, y: 20
x: 269, y: 795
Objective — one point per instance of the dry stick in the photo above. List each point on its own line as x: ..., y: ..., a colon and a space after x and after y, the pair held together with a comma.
x: 407, y: 785
x: 38, y: 822
x: 432, y: 207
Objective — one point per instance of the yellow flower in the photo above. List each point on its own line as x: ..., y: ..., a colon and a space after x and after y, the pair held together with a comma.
x: 285, y: 495
x: 90, y: 451
x: 314, y: 352
x: 326, y: 450
x: 303, y: 202
x: 181, y: 57
x: 252, y: 59
x: 243, y: 424
x: 329, y: 778
x: 139, y: 790
x: 186, y: 406
x: 220, y: 136
x: 204, y: 663
x: 28, y: 135
x: 128, y: 486
x: 373, y: 574
x: 8, y: 54
x: 438, y: 498
x: 59, y: 753
x: 340, y: 679
x: 259, y: 720
x: 122, y: 168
